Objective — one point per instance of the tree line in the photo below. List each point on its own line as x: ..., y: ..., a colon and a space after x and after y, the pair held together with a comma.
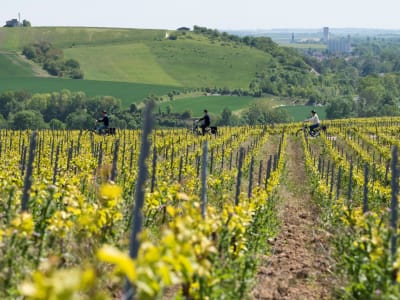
x: 76, y: 110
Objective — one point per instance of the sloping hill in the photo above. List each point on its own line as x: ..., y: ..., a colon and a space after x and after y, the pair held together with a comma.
x: 12, y: 65
x: 63, y: 37
x: 19, y: 74
x: 183, y: 62
x: 147, y: 56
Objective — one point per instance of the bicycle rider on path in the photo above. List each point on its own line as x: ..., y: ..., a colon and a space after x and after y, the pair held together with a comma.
x: 206, y: 123
x: 105, y: 120
x: 315, y: 122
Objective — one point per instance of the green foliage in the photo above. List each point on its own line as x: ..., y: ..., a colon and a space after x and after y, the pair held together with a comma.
x: 27, y: 119
x: 51, y: 59
x: 339, y: 109
x: 263, y: 113
x: 56, y: 124
x: 79, y: 120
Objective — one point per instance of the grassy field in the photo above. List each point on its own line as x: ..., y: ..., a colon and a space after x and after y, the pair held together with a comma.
x: 301, y: 112
x: 125, y: 62
x: 127, y: 92
x: 11, y: 66
x: 65, y: 37
x: 214, y: 104
x: 183, y: 62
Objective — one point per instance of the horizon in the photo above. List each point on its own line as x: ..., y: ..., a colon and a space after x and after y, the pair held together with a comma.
x: 225, y: 15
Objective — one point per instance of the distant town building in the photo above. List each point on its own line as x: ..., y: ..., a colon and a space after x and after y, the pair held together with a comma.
x: 326, y: 34
x: 13, y: 23
x: 339, y: 46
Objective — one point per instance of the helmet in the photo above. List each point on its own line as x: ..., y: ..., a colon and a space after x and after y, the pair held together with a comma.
x: 313, y: 111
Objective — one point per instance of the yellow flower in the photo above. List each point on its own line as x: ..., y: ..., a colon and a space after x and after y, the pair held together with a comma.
x: 110, y: 191
x: 121, y: 260
x: 23, y: 224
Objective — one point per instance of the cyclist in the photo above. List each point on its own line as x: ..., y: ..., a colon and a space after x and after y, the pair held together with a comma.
x: 103, y: 120
x: 315, y: 122
x: 206, y: 123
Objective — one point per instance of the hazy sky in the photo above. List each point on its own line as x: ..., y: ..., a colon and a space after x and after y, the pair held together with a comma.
x: 216, y: 14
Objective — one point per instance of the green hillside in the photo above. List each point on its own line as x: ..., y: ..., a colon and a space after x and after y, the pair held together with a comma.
x: 12, y: 66
x: 183, y: 62
x: 146, y: 56
x: 125, y: 62
x: 64, y: 37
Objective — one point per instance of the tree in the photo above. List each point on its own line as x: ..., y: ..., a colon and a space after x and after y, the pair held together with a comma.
x: 338, y: 109
x: 3, y: 122
x: 187, y: 114
x: 27, y: 119
x: 226, y: 117
x: 80, y: 120
x: 26, y: 23
x: 56, y: 124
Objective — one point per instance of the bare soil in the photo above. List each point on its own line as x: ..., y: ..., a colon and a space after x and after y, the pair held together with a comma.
x: 300, y: 264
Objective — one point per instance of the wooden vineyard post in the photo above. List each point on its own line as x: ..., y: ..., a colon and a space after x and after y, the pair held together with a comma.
x: 365, y: 198
x: 239, y: 176
x: 137, y: 216
x: 349, y: 189
x: 204, y: 180
x: 115, y: 161
x: 28, y: 174
x: 153, y: 169
x: 394, y: 203
x: 251, y: 178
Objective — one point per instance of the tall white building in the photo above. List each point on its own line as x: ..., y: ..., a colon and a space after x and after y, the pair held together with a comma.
x: 326, y: 34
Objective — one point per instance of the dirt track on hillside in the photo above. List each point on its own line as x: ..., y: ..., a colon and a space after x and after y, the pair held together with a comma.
x: 300, y: 264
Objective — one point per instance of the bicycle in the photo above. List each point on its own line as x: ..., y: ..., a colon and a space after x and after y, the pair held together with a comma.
x: 196, y: 129
x: 104, y: 131
x: 313, y: 133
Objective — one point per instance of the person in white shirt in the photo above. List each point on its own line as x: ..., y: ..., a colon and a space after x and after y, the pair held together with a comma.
x: 314, y: 120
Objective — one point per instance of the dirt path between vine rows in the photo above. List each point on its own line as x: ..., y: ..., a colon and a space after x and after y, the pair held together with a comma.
x: 300, y: 264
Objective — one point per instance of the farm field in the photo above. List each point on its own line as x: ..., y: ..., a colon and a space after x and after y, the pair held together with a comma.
x: 126, y: 91
x: 215, y: 104
x: 301, y: 112
x: 11, y: 66
x: 64, y: 37
x: 251, y: 213
x: 184, y: 62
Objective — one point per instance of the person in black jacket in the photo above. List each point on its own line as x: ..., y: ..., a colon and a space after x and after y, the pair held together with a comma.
x: 105, y: 122
x: 206, y: 123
